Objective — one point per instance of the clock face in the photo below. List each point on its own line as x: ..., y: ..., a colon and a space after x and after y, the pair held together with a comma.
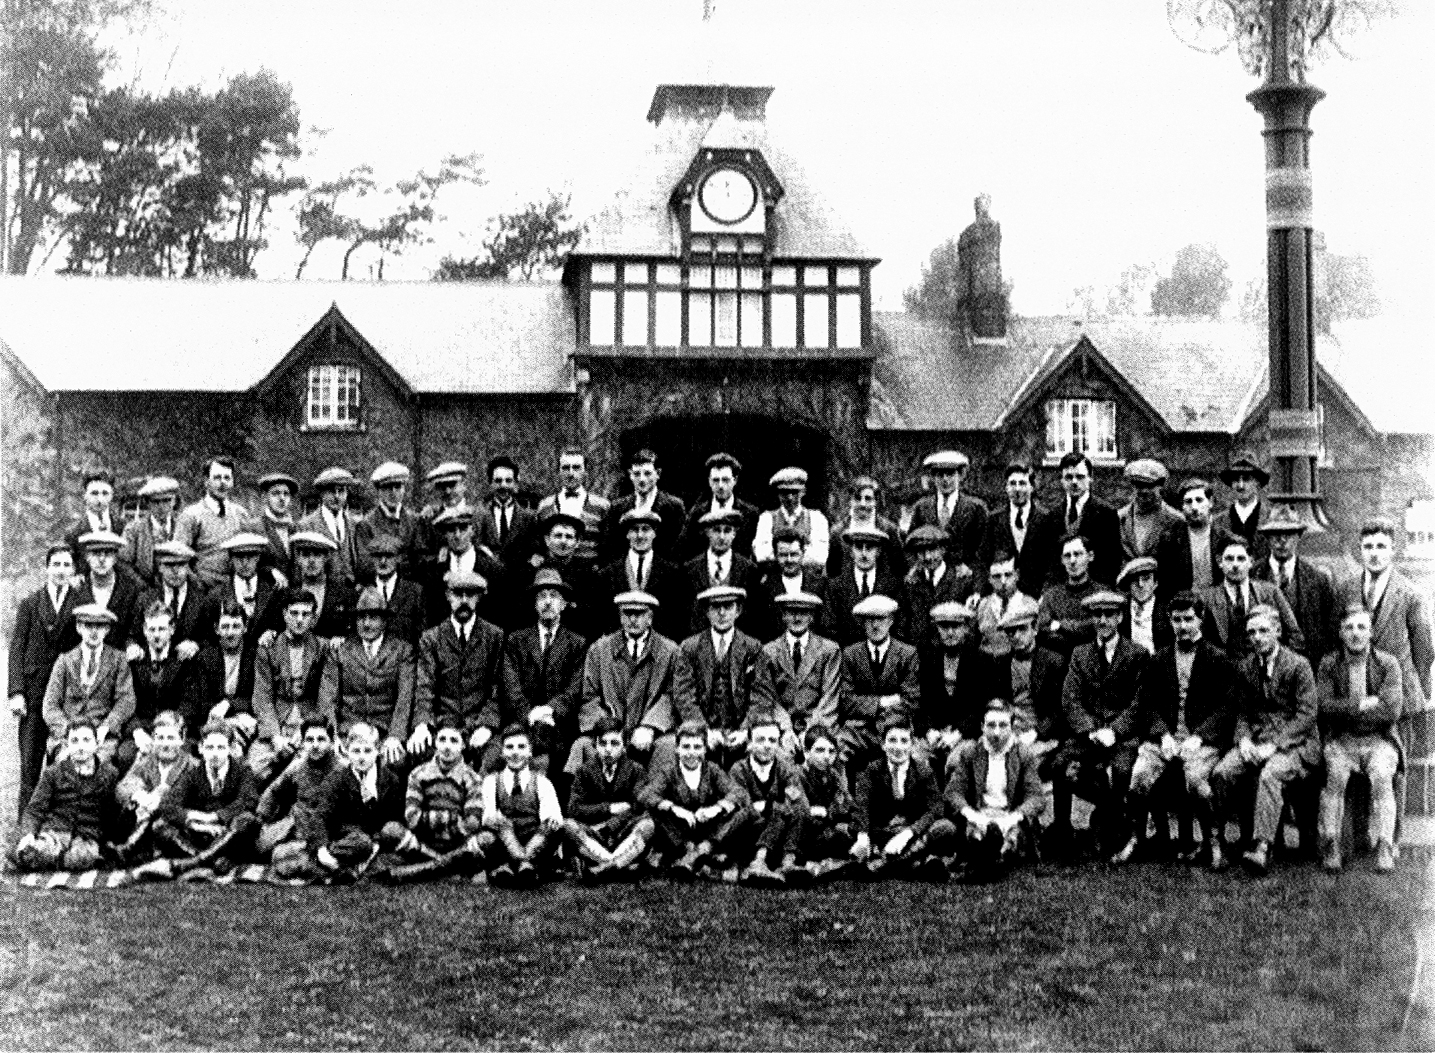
x: 728, y: 196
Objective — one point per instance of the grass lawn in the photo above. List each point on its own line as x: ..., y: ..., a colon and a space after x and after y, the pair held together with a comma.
x: 1146, y: 958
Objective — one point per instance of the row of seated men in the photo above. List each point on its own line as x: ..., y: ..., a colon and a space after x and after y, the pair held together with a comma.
x: 1121, y: 719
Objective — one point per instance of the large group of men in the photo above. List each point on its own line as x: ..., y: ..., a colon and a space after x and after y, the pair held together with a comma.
x: 776, y: 697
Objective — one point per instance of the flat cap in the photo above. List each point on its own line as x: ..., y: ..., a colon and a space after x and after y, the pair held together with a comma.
x: 313, y: 539
x: 384, y: 545
x: 1139, y: 565
x: 952, y: 613
x: 640, y: 515
x: 173, y: 552
x: 809, y: 600
x: 875, y: 606
x: 448, y: 472
x: 946, y: 460
x: 1103, y: 600
x: 788, y: 477
x: 388, y: 473
x: 722, y: 517
x: 159, y: 486
x: 465, y: 581
x: 1245, y: 463
x: 721, y: 594
x: 635, y: 598
x: 1283, y: 519
x: 245, y: 541
x: 95, y: 614
x: 549, y: 578
x: 862, y: 532
x: 460, y: 515
x: 371, y: 601
x: 1021, y: 611
x: 927, y: 536
x: 1147, y: 471
x: 273, y: 479
x: 101, y: 539
x: 334, y: 476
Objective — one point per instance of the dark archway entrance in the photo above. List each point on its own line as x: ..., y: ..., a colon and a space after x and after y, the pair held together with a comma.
x: 763, y: 445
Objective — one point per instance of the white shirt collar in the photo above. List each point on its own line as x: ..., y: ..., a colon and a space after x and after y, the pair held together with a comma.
x: 721, y: 639
x: 1243, y: 511
x: 523, y: 778
x: 461, y: 628
x: 211, y: 503
x: 762, y: 771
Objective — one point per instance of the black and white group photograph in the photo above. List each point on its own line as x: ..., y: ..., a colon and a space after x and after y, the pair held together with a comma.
x: 717, y: 524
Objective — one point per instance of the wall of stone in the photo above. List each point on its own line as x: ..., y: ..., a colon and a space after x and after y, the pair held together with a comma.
x: 473, y: 428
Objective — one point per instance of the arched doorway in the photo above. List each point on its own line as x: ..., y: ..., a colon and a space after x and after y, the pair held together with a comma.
x: 763, y: 445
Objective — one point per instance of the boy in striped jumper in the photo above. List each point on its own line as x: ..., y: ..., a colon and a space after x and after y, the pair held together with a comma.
x: 443, y: 809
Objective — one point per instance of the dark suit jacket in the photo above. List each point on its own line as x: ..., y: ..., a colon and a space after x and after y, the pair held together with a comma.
x: 1281, y: 709
x: 739, y: 671
x: 377, y: 691
x: 918, y: 597
x: 1034, y: 561
x: 189, y: 621
x: 1173, y: 558
x: 783, y: 787
x: 863, y: 686
x: 409, y: 612
x: 529, y: 681
x: 967, y: 526
x: 890, y: 554
x: 276, y: 556
x: 40, y: 636
x: 347, y: 561
x: 770, y: 587
x: 694, y: 539
x: 347, y: 813
x: 405, y: 530
x: 1045, y: 685
x: 336, y: 616
x: 1097, y: 696
x: 1100, y: 525
x: 521, y: 527
x: 209, y: 665
x: 459, y: 681
x: 840, y: 596
x: 877, y: 811
x: 1212, y: 696
x: 1312, y: 596
x: 591, y: 794
x: 969, y: 779
x: 808, y: 695
x: 962, y: 708
x: 667, y: 581
x: 714, y: 785
x: 499, y: 605
x: 1217, y: 626
x: 1259, y: 547
x: 191, y: 792
x: 744, y: 574
x: 1162, y: 635
x: 126, y: 603
x: 266, y: 614
x: 670, y: 509
x: 172, y: 685
x: 1401, y: 628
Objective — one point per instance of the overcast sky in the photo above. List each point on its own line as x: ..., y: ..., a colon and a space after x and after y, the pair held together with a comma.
x: 1103, y: 140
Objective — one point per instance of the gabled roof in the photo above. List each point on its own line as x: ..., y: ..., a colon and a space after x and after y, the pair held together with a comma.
x: 639, y: 222
x: 135, y: 334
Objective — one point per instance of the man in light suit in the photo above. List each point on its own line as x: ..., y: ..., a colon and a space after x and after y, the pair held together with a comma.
x: 964, y: 518
x: 1228, y: 604
x: 370, y: 679
x: 574, y: 499
x: 335, y: 521
x: 155, y: 524
x: 543, y: 674
x: 880, y: 680
x: 644, y: 474
x: 799, y: 673
x: 1001, y: 814
x: 1307, y: 587
x: 91, y: 682
x: 723, y: 660
x: 1276, y: 735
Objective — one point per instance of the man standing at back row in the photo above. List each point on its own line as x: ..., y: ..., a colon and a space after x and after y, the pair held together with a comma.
x: 964, y: 518
x: 1093, y: 519
x: 723, y: 471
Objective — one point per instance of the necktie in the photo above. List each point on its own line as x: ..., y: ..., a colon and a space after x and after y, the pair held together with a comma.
x: 878, y: 658
x: 1071, y: 515
x: 219, y: 501
x: 797, y: 655
x: 502, y: 526
x: 216, y: 784
x: 171, y: 599
x: 1285, y: 577
x: 633, y: 651
x: 1020, y: 518
x: 721, y: 649
x: 339, y: 529
x: 946, y: 510
x: 866, y: 589
x: 896, y: 784
x: 87, y: 671
x: 932, y: 578
x: 642, y: 570
x: 1238, y: 615
x: 720, y: 577
x: 1370, y: 593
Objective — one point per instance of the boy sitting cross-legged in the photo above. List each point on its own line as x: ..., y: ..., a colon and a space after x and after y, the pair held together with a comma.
x: 443, y: 811
x: 828, y: 834
x: 606, y: 823
x: 520, y: 814
x: 699, y: 810
x: 774, y: 788
x: 363, y: 807
x: 72, y: 809
x: 292, y: 808
x: 901, y: 832
x: 143, y: 787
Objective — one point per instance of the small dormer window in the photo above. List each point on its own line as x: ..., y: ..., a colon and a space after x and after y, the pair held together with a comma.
x: 333, y: 401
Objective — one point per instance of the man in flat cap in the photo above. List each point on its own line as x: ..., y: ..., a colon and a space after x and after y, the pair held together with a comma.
x: 154, y: 524
x: 334, y: 519
x: 91, y: 683
x: 574, y: 499
x: 931, y: 581
x: 246, y: 586
x: 118, y: 591
x: 276, y: 523
x: 459, y: 672
x: 641, y: 679
x: 791, y: 486
x: 543, y: 673
x: 1031, y: 678
x: 639, y: 568
x: 644, y: 473
x: 723, y: 472
x: 334, y: 597
x: 864, y: 498
x: 1099, y: 700
x: 97, y: 493
x: 1246, y: 512
x: 962, y: 516
x: 505, y: 527
x: 1003, y: 581
x: 288, y: 669
x: 723, y: 660
x: 722, y: 564
x: 458, y: 554
x: 865, y: 576
x: 212, y: 520
x: 880, y: 679
x: 956, y: 682
x: 1023, y: 529
x: 369, y: 680
x: 1144, y: 621
x: 448, y: 484
x: 1147, y: 515
x: 404, y: 598
x: 1308, y: 588
x: 184, y: 594
x: 799, y: 672
x: 390, y: 517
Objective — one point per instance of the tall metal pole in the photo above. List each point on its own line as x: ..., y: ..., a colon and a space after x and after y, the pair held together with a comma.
x: 1285, y: 101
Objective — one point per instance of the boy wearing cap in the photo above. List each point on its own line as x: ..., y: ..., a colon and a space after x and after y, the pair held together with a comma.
x: 1099, y: 701
x: 799, y: 673
x: 90, y: 683
x: 335, y: 521
x: 164, y: 680
x: 721, y: 564
x: 392, y: 518
x: 369, y: 680
x: 996, y: 790
x: 864, y: 576
x: 288, y: 669
x: 212, y: 520
x: 44, y: 630
x: 97, y: 493
x: 644, y: 473
x: 183, y: 593
x: 152, y: 526
x: 898, y: 812
x: 607, y: 824
x: 723, y: 660
x: 1023, y: 529
x: 931, y: 581
x: 880, y: 679
x: 1147, y: 516
x: 641, y: 569
x: 72, y: 811
x: 1308, y: 588
x: 964, y: 518
x: 119, y: 591
x: 956, y: 679
x: 521, y: 815
x: 791, y: 487
x: 828, y: 833
x: 292, y: 808
x: 542, y: 670
x: 698, y: 808
x: 773, y: 785
x: 276, y: 524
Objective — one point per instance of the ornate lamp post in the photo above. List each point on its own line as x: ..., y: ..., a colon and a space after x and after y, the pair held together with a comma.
x: 1277, y: 39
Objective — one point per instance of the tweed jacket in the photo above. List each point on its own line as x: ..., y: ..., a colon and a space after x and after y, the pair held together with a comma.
x: 810, y: 694
x: 1097, y: 695
x: 863, y: 686
x: 457, y: 680
x: 739, y: 672
x: 345, y: 562
x: 1311, y: 594
x: 1340, y: 713
x: 109, y: 700
x: 282, y: 701
x: 377, y: 691
x: 1218, y: 624
x: 1400, y: 626
x: 40, y: 636
x: 1212, y: 696
x: 877, y: 810
x: 408, y: 616
x: 1282, y: 708
x: 648, y: 693
x: 967, y: 785
x: 64, y: 800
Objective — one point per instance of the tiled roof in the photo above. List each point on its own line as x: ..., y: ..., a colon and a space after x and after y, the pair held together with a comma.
x: 106, y: 334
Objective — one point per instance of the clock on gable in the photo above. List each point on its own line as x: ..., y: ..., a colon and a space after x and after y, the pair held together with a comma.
x: 727, y: 191
x: 727, y: 195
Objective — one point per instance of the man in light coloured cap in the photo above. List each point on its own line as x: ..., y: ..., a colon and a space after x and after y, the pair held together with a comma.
x: 1003, y: 578
x: 722, y: 564
x: 1147, y: 515
x: 246, y: 586
x: 334, y: 519
x: 880, y: 679
x: 931, y: 581
x: 799, y: 672
x: 787, y: 575
x: 184, y: 594
x: 92, y: 682
x: 334, y: 596
x: 118, y: 591
x: 1144, y: 622
x: 864, y: 498
x: 963, y: 517
x: 543, y: 672
x: 865, y: 575
x: 639, y: 678
x: 154, y: 524
x: 276, y: 522
x: 212, y: 520
x: 1307, y: 587
x: 723, y: 660
x: 459, y: 554
x: 369, y: 679
x: 640, y: 568
x: 1031, y: 678
x: 723, y: 471
x: 390, y: 517
x: 791, y: 487
x: 448, y: 482
x: 1099, y: 699
x: 955, y: 681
